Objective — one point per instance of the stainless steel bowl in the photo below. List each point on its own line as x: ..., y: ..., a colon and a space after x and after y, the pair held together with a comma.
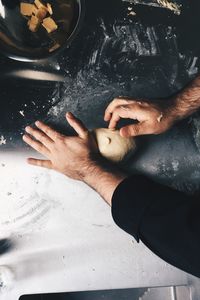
x: 18, y: 42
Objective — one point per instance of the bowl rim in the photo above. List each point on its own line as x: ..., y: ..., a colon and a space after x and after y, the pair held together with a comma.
x: 81, y: 15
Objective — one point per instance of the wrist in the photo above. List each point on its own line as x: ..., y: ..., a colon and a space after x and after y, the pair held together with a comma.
x: 97, y: 170
x: 185, y: 104
x: 178, y: 112
x: 103, y: 177
x: 173, y: 111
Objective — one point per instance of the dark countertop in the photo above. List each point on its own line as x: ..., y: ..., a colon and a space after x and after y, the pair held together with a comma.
x: 152, y: 55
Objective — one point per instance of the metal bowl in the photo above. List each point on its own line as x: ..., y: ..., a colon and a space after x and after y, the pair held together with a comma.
x: 18, y: 42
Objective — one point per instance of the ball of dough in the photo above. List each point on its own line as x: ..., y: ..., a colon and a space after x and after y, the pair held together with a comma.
x: 112, y: 146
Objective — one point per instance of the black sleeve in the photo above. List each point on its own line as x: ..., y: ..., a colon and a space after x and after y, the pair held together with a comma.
x: 165, y: 220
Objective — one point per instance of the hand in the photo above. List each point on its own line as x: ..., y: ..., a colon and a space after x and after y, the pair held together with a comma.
x: 72, y: 156
x: 151, y: 118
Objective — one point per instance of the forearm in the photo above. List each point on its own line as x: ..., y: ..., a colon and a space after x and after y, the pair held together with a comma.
x: 187, y: 101
x: 104, y: 178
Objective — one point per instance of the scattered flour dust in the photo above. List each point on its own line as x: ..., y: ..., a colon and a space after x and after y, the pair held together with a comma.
x: 2, y: 140
x: 131, y: 12
x: 21, y: 113
x: 168, y: 4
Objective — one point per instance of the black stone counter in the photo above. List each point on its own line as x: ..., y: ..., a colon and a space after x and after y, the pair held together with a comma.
x: 151, y: 55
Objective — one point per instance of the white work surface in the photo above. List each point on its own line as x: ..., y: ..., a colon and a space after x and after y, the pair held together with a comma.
x: 65, y: 238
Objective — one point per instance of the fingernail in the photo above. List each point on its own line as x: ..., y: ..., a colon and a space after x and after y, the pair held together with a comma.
x: 37, y: 123
x: 123, y: 134
x: 27, y: 128
x: 70, y: 115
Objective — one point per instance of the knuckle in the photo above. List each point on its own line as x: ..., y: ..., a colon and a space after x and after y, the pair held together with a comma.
x: 127, y: 101
x: 125, y: 107
x: 115, y: 116
x: 115, y: 100
x: 46, y: 131
x: 31, y: 142
x: 61, y: 140
x: 122, y: 100
x: 117, y: 111
x: 133, y: 130
x: 134, y: 102
x: 59, y: 137
x: 53, y: 147
x: 134, y: 105
x: 87, y: 134
x: 39, y: 147
x: 42, y: 137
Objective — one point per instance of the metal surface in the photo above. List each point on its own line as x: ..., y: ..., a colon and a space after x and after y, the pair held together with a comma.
x: 17, y: 42
x: 167, y: 293
x: 159, y: 293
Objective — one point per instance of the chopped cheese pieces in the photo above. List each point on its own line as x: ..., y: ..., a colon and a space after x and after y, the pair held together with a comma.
x: 39, y: 4
x: 49, y: 25
x: 27, y: 9
x: 49, y: 8
x: 33, y: 23
x: 39, y: 15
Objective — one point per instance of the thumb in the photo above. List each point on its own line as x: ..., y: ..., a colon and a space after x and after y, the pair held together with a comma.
x: 134, y: 130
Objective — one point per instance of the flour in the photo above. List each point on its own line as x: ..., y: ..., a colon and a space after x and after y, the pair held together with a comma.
x: 193, y: 69
x: 21, y: 113
x: 131, y: 12
x: 167, y: 4
x: 2, y: 140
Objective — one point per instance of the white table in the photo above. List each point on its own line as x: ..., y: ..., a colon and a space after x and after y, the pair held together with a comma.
x: 65, y: 239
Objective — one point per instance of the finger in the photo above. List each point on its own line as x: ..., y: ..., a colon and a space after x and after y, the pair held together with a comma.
x: 132, y: 111
x: 40, y: 136
x: 51, y: 133
x: 135, y: 130
x: 36, y: 145
x: 124, y: 112
x: 77, y: 125
x: 40, y: 163
x: 112, y: 106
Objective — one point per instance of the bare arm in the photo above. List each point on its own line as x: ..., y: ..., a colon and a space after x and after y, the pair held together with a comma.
x: 104, y: 179
x: 188, y: 101
x: 154, y: 118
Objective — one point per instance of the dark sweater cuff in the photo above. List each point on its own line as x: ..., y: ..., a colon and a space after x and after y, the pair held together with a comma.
x: 129, y: 202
